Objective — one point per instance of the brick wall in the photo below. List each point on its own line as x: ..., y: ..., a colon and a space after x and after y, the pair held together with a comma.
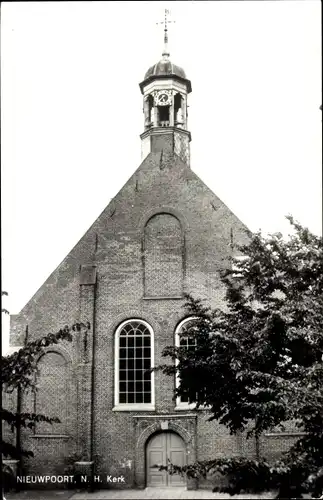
x: 115, y: 245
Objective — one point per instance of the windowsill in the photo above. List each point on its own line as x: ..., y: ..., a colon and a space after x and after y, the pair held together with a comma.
x: 285, y: 434
x: 164, y: 298
x: 184, y: 407
x: 134, y: 407
x: 51, y: 436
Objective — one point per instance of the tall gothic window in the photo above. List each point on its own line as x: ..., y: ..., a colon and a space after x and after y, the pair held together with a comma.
x: 163, y: 257
x: 185, y: 340
x: 134, y: 357
x: 51, y: 397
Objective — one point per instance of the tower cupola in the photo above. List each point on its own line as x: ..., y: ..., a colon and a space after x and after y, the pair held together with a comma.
x: 165, y: 67
x: 165, y: 89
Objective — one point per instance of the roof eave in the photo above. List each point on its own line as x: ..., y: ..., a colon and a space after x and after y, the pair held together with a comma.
x: 165, y: 77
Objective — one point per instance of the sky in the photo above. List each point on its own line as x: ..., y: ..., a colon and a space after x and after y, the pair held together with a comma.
x: 71, y: 116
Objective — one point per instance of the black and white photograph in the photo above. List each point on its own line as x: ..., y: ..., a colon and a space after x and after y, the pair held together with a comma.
x: 162, y: 252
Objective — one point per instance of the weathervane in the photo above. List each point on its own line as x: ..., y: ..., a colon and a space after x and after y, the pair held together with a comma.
x: 165, y: 22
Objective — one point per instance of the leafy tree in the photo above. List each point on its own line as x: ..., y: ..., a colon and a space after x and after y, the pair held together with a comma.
x: 18, y: 373
x: 3, y: 310
x: 258, y: 364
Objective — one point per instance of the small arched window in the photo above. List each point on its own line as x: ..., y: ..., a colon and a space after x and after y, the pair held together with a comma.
x: 184, y: 340
x: 134, y: 358
x: 51, y: 398
x: 178, y: 111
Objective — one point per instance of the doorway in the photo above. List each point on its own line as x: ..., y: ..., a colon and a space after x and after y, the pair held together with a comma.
x: 163, y: 448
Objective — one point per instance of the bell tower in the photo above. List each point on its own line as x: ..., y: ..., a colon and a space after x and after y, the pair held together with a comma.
x: 165, y: 89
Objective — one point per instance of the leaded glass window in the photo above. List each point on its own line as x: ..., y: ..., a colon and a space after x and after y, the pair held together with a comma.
x: 185, y: 340
x: 134, y: 361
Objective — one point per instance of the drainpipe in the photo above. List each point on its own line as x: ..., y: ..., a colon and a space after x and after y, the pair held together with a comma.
x: 257, y: 444
x: 257, y: 447
x: 19, y: 404
x: 93, y: 388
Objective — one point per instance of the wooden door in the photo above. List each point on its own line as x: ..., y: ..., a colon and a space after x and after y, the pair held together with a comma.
x: 176, y: 453
x: 163, y: 448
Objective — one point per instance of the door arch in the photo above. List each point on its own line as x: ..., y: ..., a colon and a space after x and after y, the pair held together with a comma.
x: 162, y: 448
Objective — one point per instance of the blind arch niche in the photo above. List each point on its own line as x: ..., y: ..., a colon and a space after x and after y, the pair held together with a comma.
x: 163, y: 256
x: 52, y: 398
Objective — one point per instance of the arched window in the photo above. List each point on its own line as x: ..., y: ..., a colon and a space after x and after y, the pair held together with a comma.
x: 149, y: 111
x: 134, y: 357
x: 163, y: 257
x: 52, y: 392
x: 178, y: 111
x: 186, y: 341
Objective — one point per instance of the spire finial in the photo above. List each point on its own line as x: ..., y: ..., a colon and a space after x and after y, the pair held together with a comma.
x: 165, y: 22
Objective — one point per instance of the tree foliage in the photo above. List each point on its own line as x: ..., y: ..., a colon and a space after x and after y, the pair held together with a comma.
x: 18, y: 372
x: 3, y: 310
x: 257, y: 363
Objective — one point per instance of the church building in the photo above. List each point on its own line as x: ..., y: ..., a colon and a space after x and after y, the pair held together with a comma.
x: 163, y: 235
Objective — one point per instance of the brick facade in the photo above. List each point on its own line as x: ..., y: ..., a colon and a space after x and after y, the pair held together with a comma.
x: 164, y: 234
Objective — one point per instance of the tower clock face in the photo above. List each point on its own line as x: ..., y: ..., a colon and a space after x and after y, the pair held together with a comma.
x: 163, y: 99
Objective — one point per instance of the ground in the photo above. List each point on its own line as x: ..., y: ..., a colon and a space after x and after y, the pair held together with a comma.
x: 152, y: 493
